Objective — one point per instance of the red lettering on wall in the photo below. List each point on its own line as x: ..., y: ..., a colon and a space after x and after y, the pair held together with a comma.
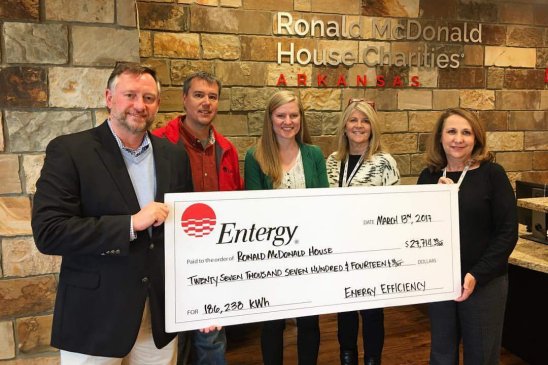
x: 341, y: 81
x: 397, y: 82
x: 301, y: 79
x: 380, y: 81
x: 546, y: 76
x: 321, y: 80
x: 281, y: 81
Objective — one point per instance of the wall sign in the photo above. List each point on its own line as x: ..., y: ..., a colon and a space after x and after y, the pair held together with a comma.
x: 374, y: 54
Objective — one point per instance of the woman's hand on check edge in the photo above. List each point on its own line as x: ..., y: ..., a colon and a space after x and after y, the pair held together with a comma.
x: 211, y: 329
x: 445, y: 180
x: 467, y: 287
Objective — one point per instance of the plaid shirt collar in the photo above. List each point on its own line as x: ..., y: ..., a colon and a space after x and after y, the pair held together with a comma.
x: 145, y: 144
x: 193, y: 140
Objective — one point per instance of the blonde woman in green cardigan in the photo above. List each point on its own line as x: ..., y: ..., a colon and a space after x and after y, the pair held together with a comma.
x: 284, y: 159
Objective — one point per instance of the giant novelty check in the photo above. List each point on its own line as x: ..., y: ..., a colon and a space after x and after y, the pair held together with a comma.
x: 248, y: 256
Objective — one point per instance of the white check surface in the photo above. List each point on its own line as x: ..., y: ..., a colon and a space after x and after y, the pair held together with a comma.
x: 251, y: 256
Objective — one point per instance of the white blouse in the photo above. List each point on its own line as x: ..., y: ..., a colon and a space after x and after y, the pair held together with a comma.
x: 294, y: 178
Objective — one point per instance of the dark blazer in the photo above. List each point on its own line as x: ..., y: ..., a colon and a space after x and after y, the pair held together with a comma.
x: 82, y: 207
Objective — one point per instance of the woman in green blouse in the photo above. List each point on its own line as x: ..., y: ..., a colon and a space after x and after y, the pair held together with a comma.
x: 284, y: 159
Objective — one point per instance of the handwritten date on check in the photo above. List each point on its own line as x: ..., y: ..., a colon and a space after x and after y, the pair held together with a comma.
x: 251, y: 256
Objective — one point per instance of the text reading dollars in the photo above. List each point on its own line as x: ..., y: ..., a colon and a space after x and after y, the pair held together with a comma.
x: 278, y: 236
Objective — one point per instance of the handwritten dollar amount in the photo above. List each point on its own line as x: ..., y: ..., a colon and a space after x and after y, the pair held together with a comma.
x: 423, y: 243
x: 236, y: 306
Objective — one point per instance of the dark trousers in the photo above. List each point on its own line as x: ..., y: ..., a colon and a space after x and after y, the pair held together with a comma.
x: 478, y: 321
x: 372, y: 331
x: 308, y: 341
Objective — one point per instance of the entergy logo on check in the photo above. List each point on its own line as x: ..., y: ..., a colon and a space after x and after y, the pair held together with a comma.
x: 198, y: 220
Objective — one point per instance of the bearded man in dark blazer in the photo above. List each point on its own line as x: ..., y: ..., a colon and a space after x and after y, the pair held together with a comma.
x: 99, y: 205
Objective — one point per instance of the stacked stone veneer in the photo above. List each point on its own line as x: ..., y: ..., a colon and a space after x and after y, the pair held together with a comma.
x: 56, y: 55
x: 502, y: 77
x: 55, y: 58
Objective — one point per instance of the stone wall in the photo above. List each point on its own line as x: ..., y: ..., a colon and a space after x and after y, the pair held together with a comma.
x: 56, y: 55
x: 502, y: 77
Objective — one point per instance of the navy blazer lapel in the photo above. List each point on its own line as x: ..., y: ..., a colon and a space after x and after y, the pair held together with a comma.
x: 112, y: 159
x: 162, y: 168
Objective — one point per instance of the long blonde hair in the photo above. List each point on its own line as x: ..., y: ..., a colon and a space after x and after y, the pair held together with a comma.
x: 267, y: 153
x: 375, y: 144
x: 436, y: 159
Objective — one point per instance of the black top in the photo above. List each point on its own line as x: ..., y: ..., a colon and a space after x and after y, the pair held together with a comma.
x: 352, y: 162
x: 487, y: 219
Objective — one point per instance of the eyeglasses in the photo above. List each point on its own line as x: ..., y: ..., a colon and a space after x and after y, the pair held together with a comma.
x: 354, y: 100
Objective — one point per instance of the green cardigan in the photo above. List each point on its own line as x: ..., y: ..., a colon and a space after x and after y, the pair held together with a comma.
x: 315, y: 174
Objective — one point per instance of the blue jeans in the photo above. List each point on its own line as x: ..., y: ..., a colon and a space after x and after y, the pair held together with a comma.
x: 205, y: 348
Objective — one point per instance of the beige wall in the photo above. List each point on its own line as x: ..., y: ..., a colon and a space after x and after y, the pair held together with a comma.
x: 56, y: 55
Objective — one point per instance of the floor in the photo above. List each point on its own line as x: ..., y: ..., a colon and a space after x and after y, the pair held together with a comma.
x: 407, y: 340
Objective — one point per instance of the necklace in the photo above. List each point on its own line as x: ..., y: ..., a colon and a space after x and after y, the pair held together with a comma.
x: 466, y: 168
x: 345, y: 178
